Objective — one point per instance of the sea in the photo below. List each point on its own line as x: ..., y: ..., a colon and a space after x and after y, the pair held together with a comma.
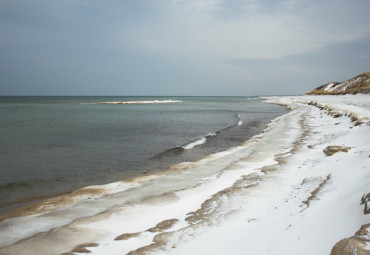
x: 55, y: 145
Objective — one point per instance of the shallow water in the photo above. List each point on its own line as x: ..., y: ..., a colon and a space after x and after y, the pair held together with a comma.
x: 53, y: 145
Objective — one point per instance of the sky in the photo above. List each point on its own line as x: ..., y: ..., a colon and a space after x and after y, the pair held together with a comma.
x: 180, y: 47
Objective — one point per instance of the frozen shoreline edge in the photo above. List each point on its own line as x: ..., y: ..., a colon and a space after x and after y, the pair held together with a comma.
x: 189, y: 165
x: 45, y: 204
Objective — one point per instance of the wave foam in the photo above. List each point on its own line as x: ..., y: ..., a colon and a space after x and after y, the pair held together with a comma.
x: 240, y: 122
x: 193, y: 144
x: 197, y: 142
x: 144, y: 102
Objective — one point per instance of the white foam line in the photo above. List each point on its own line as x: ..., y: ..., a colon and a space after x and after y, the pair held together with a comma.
x: 144, y: 102
x: 240, y: 122
x: 196, y: 143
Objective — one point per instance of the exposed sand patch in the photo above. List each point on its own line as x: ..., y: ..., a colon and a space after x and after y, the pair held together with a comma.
x: 163, y: 225
x: 316, y: 191
x: 365, y: 200
x: 159, y: 241
x: 54, y: 203
x: 82, y: 248
x: 127, y: 236
x: 161, y: 199
x: 332, y: 149
x: 358, y: 244
x: 57, y: 241
x: 336, y: 113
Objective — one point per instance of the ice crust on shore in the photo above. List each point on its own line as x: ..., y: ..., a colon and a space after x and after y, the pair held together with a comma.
x: 275, y: 194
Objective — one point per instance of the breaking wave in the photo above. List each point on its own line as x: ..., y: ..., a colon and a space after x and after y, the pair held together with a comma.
x: 144, y: 102
x: 139, y: 102
x: 240, y: 122
x: 200, y: 141
x: 177, y: 150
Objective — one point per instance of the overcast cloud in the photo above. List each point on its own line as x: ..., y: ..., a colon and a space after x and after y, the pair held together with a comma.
x: 180, y: 47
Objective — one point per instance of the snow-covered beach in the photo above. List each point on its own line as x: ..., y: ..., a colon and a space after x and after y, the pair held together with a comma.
x: 296, y: 188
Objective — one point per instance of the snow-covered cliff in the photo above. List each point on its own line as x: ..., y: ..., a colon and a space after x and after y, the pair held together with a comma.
x: 357, y: 85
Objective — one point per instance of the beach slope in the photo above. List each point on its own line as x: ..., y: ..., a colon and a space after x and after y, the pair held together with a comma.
x: 300, y: 187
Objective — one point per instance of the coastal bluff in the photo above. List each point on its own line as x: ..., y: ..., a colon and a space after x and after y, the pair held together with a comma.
x: 357, y: 85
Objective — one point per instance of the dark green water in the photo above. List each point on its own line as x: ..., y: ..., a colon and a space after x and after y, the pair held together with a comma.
x: 53, y: 145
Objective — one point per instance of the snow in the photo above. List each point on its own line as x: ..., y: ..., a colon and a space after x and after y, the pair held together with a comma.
x: 342, y: 86
x: 330, y: 87
x: 275, y: 194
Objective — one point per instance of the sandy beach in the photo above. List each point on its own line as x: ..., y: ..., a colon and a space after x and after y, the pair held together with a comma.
x: 300, y: 187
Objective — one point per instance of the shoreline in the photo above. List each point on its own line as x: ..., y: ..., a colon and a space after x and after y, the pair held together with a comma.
x: 43, y: 203
x: 208, y: 198
x: 68, y: 158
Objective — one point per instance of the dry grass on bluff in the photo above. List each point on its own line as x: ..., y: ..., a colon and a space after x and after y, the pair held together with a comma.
x: 357, y: 85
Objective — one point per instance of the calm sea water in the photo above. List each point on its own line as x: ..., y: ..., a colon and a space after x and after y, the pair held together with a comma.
x: 53, y: 145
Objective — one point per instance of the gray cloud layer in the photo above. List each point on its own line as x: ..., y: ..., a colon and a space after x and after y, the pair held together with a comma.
x: 180, y: 47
